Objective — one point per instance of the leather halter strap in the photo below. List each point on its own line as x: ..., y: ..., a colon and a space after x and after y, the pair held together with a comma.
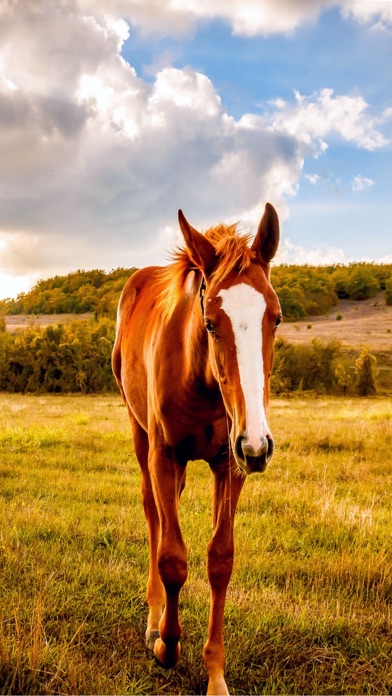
x: 202, y: 293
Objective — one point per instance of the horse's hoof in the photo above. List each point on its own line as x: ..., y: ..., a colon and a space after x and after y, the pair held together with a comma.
x: 151, y: 637
x: 166, y: 656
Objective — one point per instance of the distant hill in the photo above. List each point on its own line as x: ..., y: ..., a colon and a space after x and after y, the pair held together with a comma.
x: 304, y: 291
x: 76, y: 293
x: 59, y: 336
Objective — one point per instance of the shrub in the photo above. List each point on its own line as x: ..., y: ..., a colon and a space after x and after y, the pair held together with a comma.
x: 365, y: 368
x: 292, y: 301
x: 74, y: 357
x: 306, y: 367
x: 340, y: 278
x: 388, y: 291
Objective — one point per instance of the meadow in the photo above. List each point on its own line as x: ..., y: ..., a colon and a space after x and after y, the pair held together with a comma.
x: 309, y: 604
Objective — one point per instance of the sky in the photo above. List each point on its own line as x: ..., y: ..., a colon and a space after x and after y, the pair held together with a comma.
x: 116, y: 113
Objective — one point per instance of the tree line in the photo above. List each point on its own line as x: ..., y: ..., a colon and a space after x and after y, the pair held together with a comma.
x: 75, y: 357
x: 312, y: 290
x: 303, y: 290
x: 78, y: 292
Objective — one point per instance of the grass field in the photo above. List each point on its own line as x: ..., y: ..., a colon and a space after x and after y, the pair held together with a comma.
x: 309, y: 605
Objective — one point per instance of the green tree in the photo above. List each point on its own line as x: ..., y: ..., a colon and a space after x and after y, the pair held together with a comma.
x: 341, y: 278
x: 362, y: 283
x: 292, y: 300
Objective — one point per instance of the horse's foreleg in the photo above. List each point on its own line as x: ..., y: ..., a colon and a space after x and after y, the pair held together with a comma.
x: 220, y: 563
x: 167, y: 479
x: 155, y: 591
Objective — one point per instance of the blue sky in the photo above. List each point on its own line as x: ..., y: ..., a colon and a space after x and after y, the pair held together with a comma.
x: 115, y: 114
x: 249, y: 72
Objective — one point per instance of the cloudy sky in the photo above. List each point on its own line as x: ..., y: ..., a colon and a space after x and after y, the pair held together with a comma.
x: 115, y: 113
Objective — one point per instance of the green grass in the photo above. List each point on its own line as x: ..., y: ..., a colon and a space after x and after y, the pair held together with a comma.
x: 309, y: 605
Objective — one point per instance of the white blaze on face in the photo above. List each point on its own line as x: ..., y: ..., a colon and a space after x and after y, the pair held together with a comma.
x: 245, y: 308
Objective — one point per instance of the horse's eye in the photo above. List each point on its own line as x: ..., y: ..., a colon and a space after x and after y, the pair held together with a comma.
x: 277, y: 321
x: 209, y: 326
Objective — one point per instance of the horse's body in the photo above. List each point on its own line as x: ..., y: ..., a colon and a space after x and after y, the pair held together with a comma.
x: 193, y: 357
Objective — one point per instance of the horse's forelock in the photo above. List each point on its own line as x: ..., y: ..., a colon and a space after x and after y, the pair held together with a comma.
x: 233, y: 252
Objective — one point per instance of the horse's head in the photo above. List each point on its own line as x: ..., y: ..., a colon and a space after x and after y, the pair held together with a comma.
x: 241, y: 314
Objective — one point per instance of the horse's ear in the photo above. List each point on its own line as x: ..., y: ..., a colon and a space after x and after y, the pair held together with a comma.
x: 199, y: 247
x: 267, y: 237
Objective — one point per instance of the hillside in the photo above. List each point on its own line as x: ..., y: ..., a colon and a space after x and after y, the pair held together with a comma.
x: 304, y: 291
x: 77, y: 293
x: 59, y: 337
x: 363, y: 323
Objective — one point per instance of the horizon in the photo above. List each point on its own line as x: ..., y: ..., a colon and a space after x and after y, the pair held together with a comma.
x: 115, y: 114
x: 130, y: 268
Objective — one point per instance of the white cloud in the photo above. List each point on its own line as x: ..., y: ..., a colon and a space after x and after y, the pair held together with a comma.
x: 245, y: 17
x: 312, y: 178
x: 311, y: 119
x: 376, y: 12
x: 317, y: 255
x: 360, y: 183
x: 11, y: 285
x: 95, y: 161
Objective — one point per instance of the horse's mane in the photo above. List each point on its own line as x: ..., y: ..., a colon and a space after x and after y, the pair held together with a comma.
x: 233, y: 252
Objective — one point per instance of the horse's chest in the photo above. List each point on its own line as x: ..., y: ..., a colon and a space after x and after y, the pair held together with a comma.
x: 196, y: 439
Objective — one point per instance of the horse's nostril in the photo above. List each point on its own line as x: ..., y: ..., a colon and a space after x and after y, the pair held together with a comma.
x: 270, y: 450
x: 238, y: 447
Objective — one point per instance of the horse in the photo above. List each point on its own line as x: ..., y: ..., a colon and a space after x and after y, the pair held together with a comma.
x: 192, y: 357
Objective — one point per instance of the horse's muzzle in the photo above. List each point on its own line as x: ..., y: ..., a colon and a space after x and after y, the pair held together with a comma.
x: 248, y: 459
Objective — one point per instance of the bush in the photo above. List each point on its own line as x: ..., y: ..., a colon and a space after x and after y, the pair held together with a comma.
x: 362, y: 283
x: 388, y: 291
x: 310, y: 367
x: 292, y: 301
x: 303, y: 290
x: 365, y: 368
x: 74, y: 357
x: 320, y: 367
x: 340, y: 278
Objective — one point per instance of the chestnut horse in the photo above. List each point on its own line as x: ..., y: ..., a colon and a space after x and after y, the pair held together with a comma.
x: 193, y: 358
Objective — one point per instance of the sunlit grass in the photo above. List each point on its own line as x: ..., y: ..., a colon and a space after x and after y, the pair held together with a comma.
x: 309, y: 605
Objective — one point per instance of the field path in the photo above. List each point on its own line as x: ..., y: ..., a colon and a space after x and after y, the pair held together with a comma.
x: 16, y: 322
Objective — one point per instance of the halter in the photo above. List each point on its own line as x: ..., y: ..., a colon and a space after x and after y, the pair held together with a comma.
x: 202, y: 293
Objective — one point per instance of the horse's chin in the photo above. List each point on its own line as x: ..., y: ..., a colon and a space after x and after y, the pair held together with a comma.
x: 253, y: 465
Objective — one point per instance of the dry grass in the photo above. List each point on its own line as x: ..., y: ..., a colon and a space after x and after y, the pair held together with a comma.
x: 309, y: 606
x: 366, y: 323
